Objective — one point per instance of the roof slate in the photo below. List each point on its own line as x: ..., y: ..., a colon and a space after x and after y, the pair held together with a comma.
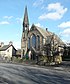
x: 5, y: 47
x: 44, y: 33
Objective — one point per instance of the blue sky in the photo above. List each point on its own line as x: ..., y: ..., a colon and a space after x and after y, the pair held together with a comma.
x: 51, y: 14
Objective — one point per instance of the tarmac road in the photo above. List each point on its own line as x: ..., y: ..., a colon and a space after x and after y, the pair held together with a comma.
x: 20, y: 74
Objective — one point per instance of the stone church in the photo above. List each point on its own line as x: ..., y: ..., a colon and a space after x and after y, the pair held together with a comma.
x: 35, y: 38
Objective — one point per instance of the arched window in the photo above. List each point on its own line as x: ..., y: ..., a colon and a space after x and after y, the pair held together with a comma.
x: 28, y: 43
x: 44, y: 40
x: 33, y: 41
x: 38, y: 40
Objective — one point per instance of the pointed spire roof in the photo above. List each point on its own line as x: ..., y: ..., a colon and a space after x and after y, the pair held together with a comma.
x: 26, y: 21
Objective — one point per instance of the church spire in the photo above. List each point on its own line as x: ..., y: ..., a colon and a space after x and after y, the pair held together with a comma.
x: 25, y: 21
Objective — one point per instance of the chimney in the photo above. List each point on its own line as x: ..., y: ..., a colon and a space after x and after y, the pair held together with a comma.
x: 10, y: 43
x: 46, y: 29
x: 2, y: 44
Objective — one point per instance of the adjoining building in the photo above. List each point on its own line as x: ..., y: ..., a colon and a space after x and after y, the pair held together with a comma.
x: 36, y: 39
x: 66, y: 53
x: 18, y: 53
x: 7, y: 51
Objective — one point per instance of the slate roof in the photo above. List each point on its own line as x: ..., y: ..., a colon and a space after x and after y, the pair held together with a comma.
x: 43, y: 32
x: 5, y: 47
x: 46, y: 33
x: 59, y: 40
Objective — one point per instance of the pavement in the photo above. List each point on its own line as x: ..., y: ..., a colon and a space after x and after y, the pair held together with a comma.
x: 34, y: 74
x: 65, y: 65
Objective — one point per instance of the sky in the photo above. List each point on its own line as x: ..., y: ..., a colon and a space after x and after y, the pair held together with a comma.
x: 51, y: 14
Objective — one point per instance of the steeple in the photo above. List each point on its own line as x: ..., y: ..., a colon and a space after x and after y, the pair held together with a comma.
x: 24, y: 40
x: 25, y: 20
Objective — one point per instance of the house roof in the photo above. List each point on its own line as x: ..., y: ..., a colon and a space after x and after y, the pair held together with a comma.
x: 6, y: 47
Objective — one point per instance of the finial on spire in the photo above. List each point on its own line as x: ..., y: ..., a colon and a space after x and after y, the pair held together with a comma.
x: 26, y: 21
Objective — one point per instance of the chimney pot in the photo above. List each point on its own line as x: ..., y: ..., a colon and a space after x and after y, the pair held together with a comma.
x: 10, y: 43
x: 2, y: 44
x: 46, y: 29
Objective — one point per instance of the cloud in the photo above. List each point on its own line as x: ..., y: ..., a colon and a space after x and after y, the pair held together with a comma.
x: 38, y: 2
x: 53, y: 16
x: 19, y: 20
x: 55, y: 12
x: 43, y: 7
x: 66, y: 41
x: 38, y: 24
x: 64, y: 24
x: 17, y: 44
x: 8, y: 17
x: 65, y: 35
x: 66, y: 32
x: 4, y: 23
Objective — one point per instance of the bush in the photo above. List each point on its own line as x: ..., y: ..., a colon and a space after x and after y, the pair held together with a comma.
x: 17, y: 59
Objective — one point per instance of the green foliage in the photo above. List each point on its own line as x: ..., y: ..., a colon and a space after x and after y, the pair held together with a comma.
x: 17, y: 59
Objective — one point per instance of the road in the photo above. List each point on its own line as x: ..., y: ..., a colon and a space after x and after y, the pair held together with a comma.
x: 21, y: 74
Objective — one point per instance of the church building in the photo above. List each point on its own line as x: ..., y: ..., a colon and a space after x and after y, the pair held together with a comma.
x: 36, y: 39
